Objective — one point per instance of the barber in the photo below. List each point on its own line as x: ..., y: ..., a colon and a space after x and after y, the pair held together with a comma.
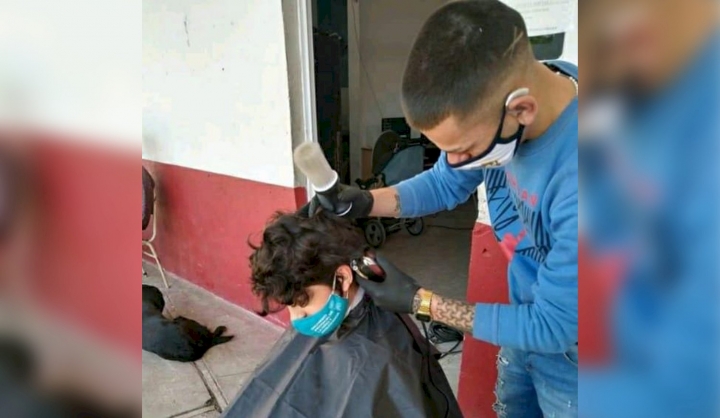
x: 474, y: 88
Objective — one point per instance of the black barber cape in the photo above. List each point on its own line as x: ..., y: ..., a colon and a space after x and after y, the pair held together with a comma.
x: 375, y: 365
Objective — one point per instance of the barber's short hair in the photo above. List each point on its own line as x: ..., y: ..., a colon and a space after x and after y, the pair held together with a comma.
x: 464, y: 51
x: 297, y: 252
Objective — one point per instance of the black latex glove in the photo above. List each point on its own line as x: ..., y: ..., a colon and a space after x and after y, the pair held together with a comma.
x: 396, y: 293
x: 362, y: 202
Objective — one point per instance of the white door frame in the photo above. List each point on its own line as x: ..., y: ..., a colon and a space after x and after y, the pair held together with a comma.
x: 307, y: 77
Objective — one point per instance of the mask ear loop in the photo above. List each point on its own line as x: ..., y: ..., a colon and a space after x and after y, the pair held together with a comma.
x: 523, y: 91
x: 335, y: 280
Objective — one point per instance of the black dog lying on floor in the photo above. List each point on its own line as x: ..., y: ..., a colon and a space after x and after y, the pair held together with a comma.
x: 178, y: 339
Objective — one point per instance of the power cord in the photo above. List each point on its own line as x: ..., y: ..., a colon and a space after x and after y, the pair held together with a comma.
x: 438, y: 333
x: 452, y: 228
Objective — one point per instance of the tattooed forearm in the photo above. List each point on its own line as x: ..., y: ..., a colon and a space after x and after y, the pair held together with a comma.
x: 386, y: 202
x: 398, y: 207
x: 451, y: 312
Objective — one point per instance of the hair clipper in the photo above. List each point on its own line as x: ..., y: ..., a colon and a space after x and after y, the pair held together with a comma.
x: 367, y: 268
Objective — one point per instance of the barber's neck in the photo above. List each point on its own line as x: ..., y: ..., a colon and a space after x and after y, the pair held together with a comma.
x: 554, y: 92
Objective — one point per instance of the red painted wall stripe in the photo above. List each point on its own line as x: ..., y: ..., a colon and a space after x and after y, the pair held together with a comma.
x: 71, y: 253
x: 205, y: 221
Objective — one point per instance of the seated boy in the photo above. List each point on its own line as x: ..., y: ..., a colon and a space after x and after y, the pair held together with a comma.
x: 343, y: 356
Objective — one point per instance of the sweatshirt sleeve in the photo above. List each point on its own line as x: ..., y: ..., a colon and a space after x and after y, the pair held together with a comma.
x: 678, y: 375
x: 440, y: 188
x: 549, y: 324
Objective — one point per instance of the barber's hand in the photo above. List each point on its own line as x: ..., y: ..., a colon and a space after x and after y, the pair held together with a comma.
x: 396, y: 293
x: 362, y: 202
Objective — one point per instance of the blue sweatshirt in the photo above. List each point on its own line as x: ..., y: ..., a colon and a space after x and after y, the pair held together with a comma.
x: 533, y: 210
x: 654, y: 194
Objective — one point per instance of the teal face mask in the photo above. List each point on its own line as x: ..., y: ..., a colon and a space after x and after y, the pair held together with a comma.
x: 326, y: 320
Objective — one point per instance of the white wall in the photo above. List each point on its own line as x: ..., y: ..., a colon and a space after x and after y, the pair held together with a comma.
x: 570, y: 51
x: 215, y: 81
x: 71, y: 68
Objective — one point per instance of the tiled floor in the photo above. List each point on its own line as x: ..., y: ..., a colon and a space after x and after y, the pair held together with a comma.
x: 438, y: 259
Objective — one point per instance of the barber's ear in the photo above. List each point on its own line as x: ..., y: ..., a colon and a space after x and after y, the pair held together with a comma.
x: 344, y: 273
x: 524, y: 108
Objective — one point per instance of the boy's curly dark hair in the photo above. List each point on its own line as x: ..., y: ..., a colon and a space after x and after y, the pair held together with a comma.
x: 297, y: 252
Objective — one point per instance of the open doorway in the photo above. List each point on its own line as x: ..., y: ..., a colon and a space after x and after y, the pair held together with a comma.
x: 359, y: 52
x: 330, y: 50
